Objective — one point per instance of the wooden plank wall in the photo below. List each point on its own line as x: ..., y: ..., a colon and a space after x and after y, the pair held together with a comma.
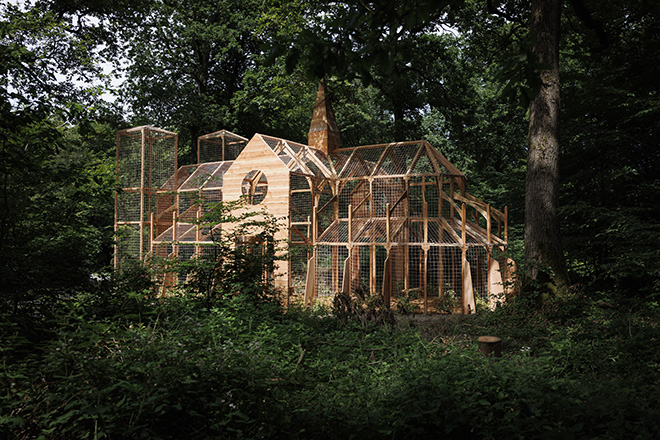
x: 257, y: 155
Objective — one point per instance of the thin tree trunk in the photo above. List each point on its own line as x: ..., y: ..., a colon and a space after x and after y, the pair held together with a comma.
x: 542, y: 236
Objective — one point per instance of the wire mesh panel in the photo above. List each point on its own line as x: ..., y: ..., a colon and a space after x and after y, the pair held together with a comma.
x: 128, y: 206
x: 477, y: 256
x: 185, y: 253
x: 161, y: 157
x: 298, y: 257
x: 327, y: 270
x: 189, y: 204
x: 326, y: 207
x: 129, y: 159
x: 146, y: 165
x: 220, y: 146
x: 128, y: 243
x: 210, y: 199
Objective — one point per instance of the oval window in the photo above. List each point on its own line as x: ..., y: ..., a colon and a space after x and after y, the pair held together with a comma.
x: 255, y: 187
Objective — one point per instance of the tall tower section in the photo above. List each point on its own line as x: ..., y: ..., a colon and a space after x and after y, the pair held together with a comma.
x: 146, y: 189
x: 323, y: 131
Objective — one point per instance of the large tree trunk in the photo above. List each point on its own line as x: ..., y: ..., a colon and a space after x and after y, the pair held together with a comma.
x: 542, y: 237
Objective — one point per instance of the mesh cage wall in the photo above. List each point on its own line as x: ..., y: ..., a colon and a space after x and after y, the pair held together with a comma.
x: 162, y: 160
x: 129, y: 159
x: 145, y: 167
x: 298, y: 256
x: 330, y: 269
x: 128, y: 243
x: 220, y: 146
x: 477, y: 256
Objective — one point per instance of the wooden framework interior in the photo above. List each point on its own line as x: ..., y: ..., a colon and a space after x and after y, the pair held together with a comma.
x: 392, y: 219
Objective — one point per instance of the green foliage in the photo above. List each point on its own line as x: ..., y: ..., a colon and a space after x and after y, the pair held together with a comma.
x: 237, y: 368
x: 56, y: 209
x: 240, y: 259
x: 198, y: 67
x: 610, y: 135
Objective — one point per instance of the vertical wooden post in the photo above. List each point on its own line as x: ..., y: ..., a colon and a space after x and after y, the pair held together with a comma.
x: 142, y: 194
x: 116, y: 228
x: 372, y: 246
x: 387, y: 272
x: 350, y: 224
x: 426, y: 222
x: 387, y: 224
x: 310, y: 289
x: 425, y: 247
x: 441, y: 259
x: 198, y: 234
x: 351, y: 255
x: 426, y: 296
x: 453, y: 269
x: 151, y: 233
x: 149, y: 191
x: 466, y: 278
x: 506, y: 224
x: 451, y: 195
x: 466, y: 282
x: 175, y: 246
x: 223, y: 147
x: 335, y: 249
x: 488, y: 224
x: 440, y: 190
x: 463, y: 221
x: 315, y: 222
x: 309, y: 233
x: 406, y: 249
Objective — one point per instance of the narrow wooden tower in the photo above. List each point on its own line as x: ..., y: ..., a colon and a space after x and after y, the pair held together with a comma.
x: 323, y: 131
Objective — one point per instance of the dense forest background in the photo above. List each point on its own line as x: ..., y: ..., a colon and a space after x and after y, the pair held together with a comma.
x: 460, y: 74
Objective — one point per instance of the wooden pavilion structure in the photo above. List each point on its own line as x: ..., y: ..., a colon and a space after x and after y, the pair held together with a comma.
x: 394, y: 219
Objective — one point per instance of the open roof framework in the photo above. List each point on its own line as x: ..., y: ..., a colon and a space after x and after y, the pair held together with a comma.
x: 393, y: 219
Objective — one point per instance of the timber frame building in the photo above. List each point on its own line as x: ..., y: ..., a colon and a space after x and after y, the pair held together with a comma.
x: 392, y: 219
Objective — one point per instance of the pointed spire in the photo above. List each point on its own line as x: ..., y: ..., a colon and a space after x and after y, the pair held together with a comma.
x: 323, y: 131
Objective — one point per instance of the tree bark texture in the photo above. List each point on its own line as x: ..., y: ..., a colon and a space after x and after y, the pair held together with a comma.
x: 542, y: 236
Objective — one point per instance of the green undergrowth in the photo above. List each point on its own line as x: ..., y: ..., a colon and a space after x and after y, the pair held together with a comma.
x: 240, y: 368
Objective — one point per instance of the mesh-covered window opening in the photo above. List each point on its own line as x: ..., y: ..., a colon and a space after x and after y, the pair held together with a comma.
x: 184, y: 254
x: 326, y: 213
x: 300, y: 201
x: 415, y: 197
x: 233, y: 149
x: 145, y: 158
x: 477, y: 256
x: 330, y: 269
x: 255, y: 187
